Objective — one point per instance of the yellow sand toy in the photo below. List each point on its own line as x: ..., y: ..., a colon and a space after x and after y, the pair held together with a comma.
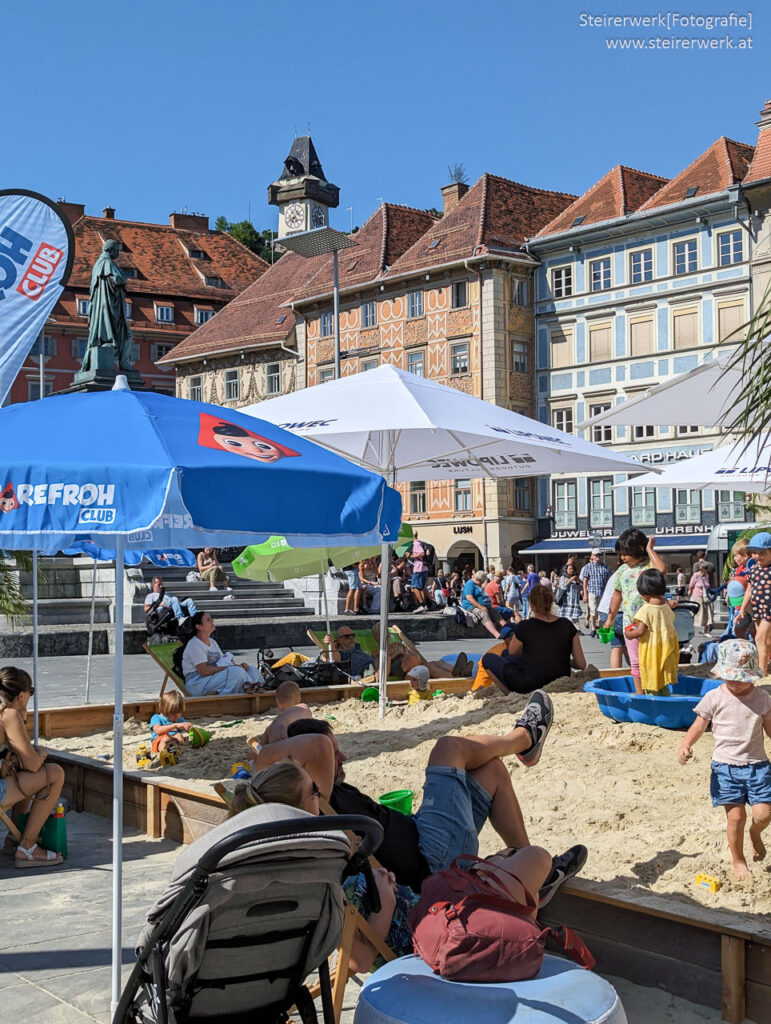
x: 168, y: 757
x: 143, y: 756
x: 708, y: 882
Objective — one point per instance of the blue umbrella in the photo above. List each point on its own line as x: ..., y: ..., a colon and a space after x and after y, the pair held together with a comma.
x: 139, y: 470
x: 163, y: 559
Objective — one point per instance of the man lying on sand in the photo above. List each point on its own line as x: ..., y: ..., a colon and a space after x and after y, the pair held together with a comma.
x: 465, y: 784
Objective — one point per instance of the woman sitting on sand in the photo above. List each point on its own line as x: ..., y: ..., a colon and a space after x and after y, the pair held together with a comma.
x: 543, y: 648
x: 32, y: 779
x: 207, y: 669
x: 287, y: 783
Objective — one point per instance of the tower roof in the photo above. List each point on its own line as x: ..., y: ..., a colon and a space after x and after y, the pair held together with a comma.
x: 303, y: 159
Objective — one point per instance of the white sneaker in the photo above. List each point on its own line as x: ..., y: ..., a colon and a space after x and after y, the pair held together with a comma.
x: 419, y: 609
x: 229, y: 597
x: 228, y: 588
x: 212, y: 588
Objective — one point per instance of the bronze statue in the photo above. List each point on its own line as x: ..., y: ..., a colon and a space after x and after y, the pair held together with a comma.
x: 107, y: 314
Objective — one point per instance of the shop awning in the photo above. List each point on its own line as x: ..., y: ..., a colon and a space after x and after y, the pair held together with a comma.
x: 582, y: 545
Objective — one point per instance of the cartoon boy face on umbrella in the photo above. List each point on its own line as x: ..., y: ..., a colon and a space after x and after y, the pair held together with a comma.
x: 8, y: 500
x: 219, y: 434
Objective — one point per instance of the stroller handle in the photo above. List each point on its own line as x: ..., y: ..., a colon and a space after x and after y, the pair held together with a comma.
x: 371, y: 829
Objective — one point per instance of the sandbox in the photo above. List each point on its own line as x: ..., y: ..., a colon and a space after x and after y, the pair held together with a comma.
x: 647, y: 822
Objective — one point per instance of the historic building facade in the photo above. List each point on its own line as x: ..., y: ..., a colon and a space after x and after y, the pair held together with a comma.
x: 178, y: 276
x: 640, y: 279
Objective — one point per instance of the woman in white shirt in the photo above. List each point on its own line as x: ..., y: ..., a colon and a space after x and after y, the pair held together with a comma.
x: 207, y: 669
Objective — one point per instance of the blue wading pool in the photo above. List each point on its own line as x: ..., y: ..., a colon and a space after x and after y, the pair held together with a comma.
x: 618, y: 701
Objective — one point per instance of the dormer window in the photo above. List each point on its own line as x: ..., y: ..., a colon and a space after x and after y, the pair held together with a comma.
x: 203, y: 314
x: 84, y: 306
x: 214, y: 282
x: 691, y: 192
x: 164, y: 314
x: 196, y: 254
x: 130, y: 272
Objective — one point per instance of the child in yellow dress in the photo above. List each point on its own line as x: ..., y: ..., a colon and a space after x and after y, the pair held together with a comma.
x: 654, y: 626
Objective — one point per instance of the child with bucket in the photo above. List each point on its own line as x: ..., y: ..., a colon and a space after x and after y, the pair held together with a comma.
x: 167, y: 729
x: 741, y: 773
x: 653, y: 627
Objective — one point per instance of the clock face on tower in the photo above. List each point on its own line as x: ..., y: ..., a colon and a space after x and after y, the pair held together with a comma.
x: 294, y: 216
x: 317, y: 216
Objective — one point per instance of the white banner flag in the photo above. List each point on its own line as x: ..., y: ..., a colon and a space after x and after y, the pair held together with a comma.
x: 36, y: 253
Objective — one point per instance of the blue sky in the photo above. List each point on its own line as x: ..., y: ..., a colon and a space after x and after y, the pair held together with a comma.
x: 152, y: 107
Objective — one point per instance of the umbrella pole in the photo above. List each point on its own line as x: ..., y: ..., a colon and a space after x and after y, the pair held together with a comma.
x: 385, y: 597
x: 117, y: 783
x: 34, y: 648
x: 90, y: 635
x: 323, y: 588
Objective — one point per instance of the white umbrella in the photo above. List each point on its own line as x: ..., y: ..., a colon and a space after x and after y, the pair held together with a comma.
x: 411, y: 428
x: 737, y: 465
x: 708, y: 396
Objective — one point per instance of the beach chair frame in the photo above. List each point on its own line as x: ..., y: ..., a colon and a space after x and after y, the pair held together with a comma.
x: 10, y: 825
x: 168, y: 672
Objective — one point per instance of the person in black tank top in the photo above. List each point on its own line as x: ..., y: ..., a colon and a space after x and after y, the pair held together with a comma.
x: 465, y: 784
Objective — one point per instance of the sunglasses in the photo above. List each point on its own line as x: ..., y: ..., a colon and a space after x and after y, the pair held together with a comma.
x: 31, y: 691
x: 345, y: 636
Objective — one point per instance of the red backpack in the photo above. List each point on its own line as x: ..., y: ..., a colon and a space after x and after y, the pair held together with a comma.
x: 469, y: 927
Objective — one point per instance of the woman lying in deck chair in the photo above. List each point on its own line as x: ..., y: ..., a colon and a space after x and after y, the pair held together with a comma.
x: 401, y: 658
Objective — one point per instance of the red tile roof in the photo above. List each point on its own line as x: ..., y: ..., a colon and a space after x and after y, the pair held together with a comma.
x: 496, y: 215
x: 252, y: 318
x: 724, y: 163
x: 160, y: 254
x: 623, y: 190
x: 761, y: 162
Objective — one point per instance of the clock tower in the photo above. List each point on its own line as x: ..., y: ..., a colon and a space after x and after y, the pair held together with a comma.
x: 302, y: 194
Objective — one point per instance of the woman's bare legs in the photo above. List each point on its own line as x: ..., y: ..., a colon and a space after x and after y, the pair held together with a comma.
x: 46, y: 786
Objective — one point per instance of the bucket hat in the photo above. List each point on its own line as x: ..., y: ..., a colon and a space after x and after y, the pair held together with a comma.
x: 760, y: 542
x: 421, y: 676
x: 737, y: 660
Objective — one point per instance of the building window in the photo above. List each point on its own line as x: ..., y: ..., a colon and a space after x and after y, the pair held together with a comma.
x: 565, y: 505
x: 601, y: 502
x: 136, y: 353
x: 682, y: 430
x: 685, y: 329
x: 327, y: 325
x: 368, y: 314
x: 273, y: 379
x: 641, y: 337
x: 459, y: 358
x: 415, y: 304
x: 78, y: 348
x: 196, y: 389
x: 519, y: 357
x: 130, y: 272
x: 463, y: 495
x: 729, y: 248
x: 685, y: 258
x: 369, y: 364
x: 561, y: 348
x: 643, y: 506
x: 202, y: 316
x: 730, y: 320
x: 562, y: 419
x: 599, y: 274
x: 84, y: 306
x: 232, y: 386
x: 164, y: 314
x: 641, y: 266
x: 522, y: 494
x: 602, y: 432
x: 214, y: 282
x: 600, y: 344
x: 639, y: 433
x: 417, y: 497
x: 459, y: 294
x: 33, y: 389
x: 415, y: 363
x: 326, y: 373
x: 730, y: 506
x: 49, y: 347
x: 519, y: 293
x: 127, y: 308
x: 687, y: 506
x: 562, y: 282
x: 160, y: 350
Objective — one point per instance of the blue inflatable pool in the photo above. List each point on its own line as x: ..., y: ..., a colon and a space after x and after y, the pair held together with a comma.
x: 618, y: 701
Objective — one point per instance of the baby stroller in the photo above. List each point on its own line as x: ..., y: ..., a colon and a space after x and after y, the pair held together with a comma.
x: 251, y: 910
x: 685, y: 613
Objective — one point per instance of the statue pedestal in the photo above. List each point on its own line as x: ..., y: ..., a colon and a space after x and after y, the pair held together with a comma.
x: 101, y: 372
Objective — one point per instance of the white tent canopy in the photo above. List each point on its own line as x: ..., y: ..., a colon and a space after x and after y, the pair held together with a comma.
x: 708, y: 396
x: 738, y: 465
x: 411, y: 428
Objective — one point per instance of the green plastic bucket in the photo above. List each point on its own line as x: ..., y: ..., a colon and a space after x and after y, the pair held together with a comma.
x: 605, y: 634
x: 371, y: 693
x: 398, y: 800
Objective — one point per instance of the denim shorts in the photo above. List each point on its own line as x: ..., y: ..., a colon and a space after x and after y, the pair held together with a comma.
x: 2, y: 791
x: 354, y: 580
x: 418, y: 580
x: 617, y: 640
x: 454, y: 809
x: 740, y: 783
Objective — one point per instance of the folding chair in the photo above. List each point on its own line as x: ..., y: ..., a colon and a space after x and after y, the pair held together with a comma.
x: 163, y: 655
x: 9, y: 824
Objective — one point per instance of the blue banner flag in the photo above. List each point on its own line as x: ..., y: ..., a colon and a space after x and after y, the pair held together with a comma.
x: 36, y: 253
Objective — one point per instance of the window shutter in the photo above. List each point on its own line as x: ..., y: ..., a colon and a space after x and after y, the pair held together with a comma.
x: 641, y: 335
x: 561, y: 354
x: 729, y: 320
x: 599, y: 344
x: 686, y: 335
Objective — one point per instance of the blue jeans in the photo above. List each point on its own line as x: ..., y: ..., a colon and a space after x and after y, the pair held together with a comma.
x: 451, y: 816
x: 180, y: 608
x: 229, y: 680
x: 525, y: 606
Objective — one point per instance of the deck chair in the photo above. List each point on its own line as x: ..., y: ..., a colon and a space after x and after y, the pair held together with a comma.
x: 364, y: 639
x: 251, y: 910
x: 10, y: 825
x: 163, y: 655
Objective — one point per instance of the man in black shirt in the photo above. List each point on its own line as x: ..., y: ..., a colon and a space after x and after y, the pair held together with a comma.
x: 466, y: 783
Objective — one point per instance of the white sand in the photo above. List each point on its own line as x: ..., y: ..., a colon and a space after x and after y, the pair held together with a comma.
x: 647, y: 821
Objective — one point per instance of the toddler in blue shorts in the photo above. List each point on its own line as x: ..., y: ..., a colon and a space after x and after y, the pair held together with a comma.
x: 741, y: 773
